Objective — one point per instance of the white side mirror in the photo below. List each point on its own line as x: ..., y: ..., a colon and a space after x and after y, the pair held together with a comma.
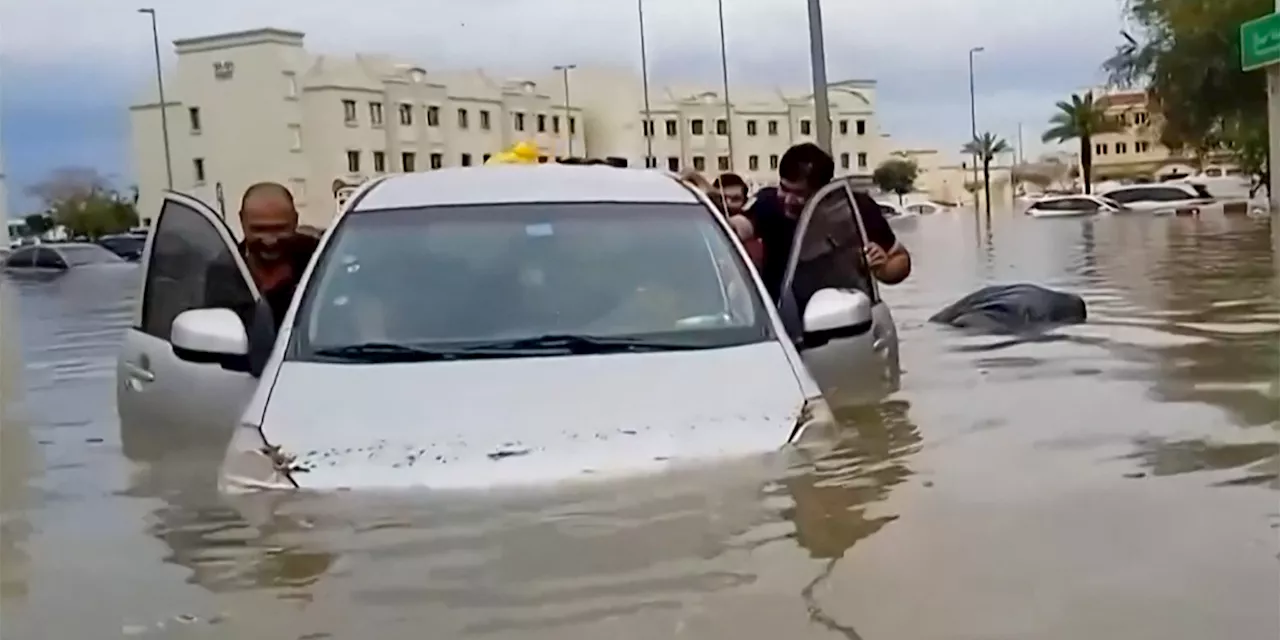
x: 836, y: 313
x: 209, y: 335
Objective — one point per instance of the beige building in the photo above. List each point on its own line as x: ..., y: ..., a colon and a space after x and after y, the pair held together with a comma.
x: 1136, y: 151
x: 252, y: 106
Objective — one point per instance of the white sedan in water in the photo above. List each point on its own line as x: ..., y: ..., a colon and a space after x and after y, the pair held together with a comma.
x: 475, y: 327
x: 1073, y: 206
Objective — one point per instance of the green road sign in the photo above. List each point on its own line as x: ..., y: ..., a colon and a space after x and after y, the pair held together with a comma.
x: 1260, y: 42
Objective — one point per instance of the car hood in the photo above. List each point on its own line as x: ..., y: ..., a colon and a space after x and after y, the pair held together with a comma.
x: 522, y: 421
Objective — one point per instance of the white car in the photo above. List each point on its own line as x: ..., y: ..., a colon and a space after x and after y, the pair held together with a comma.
x: 1073, y: 206
x: 892, y: 211
x: 477, y: 327
x: 1178, y: 198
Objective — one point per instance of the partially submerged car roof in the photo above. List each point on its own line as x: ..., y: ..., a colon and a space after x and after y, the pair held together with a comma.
x: 513, y: 184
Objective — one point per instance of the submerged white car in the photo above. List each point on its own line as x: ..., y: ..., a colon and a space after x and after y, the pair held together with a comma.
x: 475, y: 327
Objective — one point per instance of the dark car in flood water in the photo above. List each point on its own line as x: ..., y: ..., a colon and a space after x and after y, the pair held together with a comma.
x: 126, y: 245
x: 58, y: 258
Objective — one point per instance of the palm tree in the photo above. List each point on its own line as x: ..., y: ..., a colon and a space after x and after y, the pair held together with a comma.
x: 985, y: 148
x: 1081, y: 119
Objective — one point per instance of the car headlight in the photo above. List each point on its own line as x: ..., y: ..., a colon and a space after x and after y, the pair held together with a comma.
x: 816, y: 424
x: 253, y: 464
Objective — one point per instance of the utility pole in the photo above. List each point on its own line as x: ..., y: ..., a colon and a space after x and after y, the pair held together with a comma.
x: 164, y: 105
x: 568, y: 115
x: 973, y: 124
x: 724, y: 71
x: 818, y: 66
x: 644, y: 78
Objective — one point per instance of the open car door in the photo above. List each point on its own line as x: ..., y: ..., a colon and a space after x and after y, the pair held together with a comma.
x: 853, y: 354
x: 190, y: 262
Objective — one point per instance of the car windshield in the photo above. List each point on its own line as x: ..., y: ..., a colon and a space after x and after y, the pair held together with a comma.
x: 77, y: 255
x: 530, y: 279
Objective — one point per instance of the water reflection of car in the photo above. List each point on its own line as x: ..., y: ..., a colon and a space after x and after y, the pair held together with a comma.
x: 1073, y: 206
x: 126, y: 245
x: 58, y: 257
x: 504, y: 325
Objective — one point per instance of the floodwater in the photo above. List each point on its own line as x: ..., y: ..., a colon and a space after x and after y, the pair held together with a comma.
x: 1115, y: 480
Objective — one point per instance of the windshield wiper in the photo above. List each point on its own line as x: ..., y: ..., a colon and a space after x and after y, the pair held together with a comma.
x: 391, y: 352
x: 581, y: 345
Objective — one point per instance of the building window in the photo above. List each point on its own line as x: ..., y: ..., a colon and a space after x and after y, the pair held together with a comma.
x: 1142, y: 147
x: 465, y: 160
x: 1139, y: 118
x: 861, y: 127
x: 290, y: 86
x: 573, y: 126
x: 650, y: 162
x: 433, y: 116
x: 353, y: 162
x: 193, y: 114
x: 1122, y: 147
x: 484, y: 120
x: 695, y: 127
x: 699, y: 163
x: 722, y: 127
x: 406, y: 114
x: 773, y: 162
x: 197, y: 168
x: 862, y: 160
x: 806, y: 127
x: 773, y: 127
x: 753, y: 163
x: 722, y: 163
x: 519, y: 121
x: 1100, y: 149
x: 673, y: 128
x: 752, y: 129
x: 375, y: 114
x: 408, y: 162
x: 485, y: 158
x: 543, y: 159
x: 295, y: 137
x: 542, y: 123
x: 844, y: 127
x: 673, y: 163
x: 437, y: 160
x: 844, y: 161
x: 349, y: 112
x: 555, y: 124
x: 379, y: 162
x: 463, y: 121
x: 646, y: 128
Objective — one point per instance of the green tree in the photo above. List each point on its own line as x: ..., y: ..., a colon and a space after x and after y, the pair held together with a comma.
x: 83, y: 201
x: 985, y: 148
x: 1186, y: 54
x: 1081, y: 119
x: 37, y: 223
x: 896, y: 175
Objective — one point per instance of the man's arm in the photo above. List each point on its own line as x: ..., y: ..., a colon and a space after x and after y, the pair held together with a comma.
x: 888, y: 258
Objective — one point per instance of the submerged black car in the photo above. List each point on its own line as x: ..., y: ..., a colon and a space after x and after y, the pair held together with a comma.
x: 58, y: 257
x: 126, y: 245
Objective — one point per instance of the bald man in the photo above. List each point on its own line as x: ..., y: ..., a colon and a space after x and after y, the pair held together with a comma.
x: 275, y: 252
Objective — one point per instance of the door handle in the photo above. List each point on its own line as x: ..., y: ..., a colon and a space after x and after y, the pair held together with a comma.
x: 140, y: 372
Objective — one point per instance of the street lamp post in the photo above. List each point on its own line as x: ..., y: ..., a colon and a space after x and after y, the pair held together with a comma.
x: 724, y: 72
x: 647, y: 128
x: 164, y: 106
x: 818, y: 65
x: 568, y: 115
x: 973, y: 124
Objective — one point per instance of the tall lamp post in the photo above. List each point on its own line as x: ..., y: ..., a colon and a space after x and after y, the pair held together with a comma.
x: 724, y: 72
x: 644, y: 78
x: 818, y: 65
x: 164, y: 105
x: 568, y: 115
x: 973, y: 124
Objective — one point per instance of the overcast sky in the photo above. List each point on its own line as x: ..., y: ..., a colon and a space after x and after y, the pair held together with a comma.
x: 69, y: 68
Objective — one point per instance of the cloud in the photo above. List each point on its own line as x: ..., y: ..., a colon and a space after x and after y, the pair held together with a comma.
x: 65, y: 103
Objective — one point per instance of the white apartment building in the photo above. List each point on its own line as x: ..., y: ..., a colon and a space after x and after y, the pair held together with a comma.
x: 252, y: 106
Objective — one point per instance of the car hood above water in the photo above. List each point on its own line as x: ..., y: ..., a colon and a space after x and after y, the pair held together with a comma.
x: 522, y: 421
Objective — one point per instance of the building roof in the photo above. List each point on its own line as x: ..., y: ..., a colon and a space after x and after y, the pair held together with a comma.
x: 511, y: 184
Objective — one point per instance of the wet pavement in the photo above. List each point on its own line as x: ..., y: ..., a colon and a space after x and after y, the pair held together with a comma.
x: 1112, y: 480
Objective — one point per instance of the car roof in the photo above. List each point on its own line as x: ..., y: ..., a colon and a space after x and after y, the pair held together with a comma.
x: 514, y: 184
x: 1086, y: 196
x: 1180, y: 186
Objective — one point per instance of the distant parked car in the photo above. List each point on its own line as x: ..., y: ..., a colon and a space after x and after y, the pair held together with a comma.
x: 925, y: 208
x: 57, y: 257
x: 1179, y: 198
x: 1073, y: 206
x: 126, y: 245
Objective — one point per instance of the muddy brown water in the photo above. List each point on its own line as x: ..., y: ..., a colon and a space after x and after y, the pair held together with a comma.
x: 1117, y: 480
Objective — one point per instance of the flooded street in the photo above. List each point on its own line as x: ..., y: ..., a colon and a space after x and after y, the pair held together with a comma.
x: 1112, y: 480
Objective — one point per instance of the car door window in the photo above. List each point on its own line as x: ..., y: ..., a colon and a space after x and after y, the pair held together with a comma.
x: 1080, y: 204
x: 828, y: 251
x: 20, y: 259
x: 49, y: 259
x: 192, y: 266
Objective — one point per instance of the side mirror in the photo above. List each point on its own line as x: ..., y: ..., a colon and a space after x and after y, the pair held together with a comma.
x: 836, y: 313
x: 211, y: 336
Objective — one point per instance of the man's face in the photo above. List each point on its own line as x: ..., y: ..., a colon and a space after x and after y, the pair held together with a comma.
x: 269, y: 221
x: 794, y: 196
x: 734, y: 200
